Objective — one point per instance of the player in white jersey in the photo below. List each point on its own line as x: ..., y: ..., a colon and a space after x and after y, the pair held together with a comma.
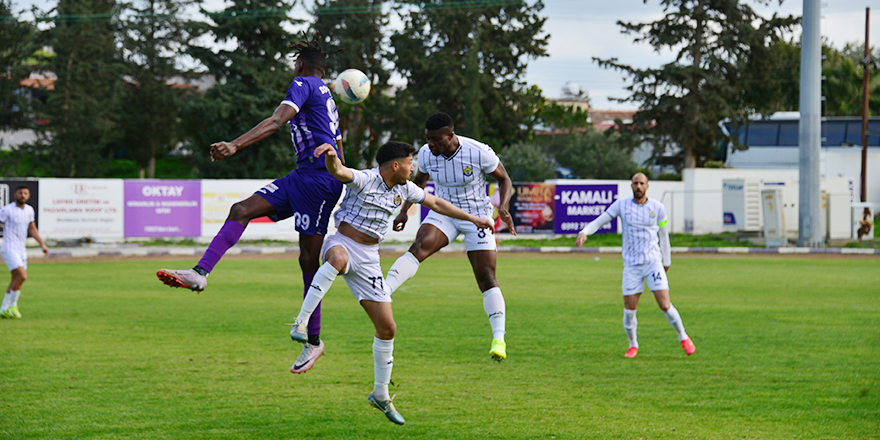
x: 459, y: 166
x: 370, y: 199
x: 18, y: 219
x: 643, y: 260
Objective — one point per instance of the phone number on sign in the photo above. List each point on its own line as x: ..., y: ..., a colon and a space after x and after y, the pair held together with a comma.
x: 577, y: 226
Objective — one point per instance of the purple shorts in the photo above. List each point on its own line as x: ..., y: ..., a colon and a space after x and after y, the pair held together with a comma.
x: 306, y: 195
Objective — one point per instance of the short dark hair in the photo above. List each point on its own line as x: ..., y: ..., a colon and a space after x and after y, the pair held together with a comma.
x: 394, y: 150
x: 21, y: 187
x: 438, y: 120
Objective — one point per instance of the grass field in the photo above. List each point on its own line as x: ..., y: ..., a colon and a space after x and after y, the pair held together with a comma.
x: 787, y: 347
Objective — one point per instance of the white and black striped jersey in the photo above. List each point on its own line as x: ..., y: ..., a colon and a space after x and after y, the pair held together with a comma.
x: 640, y: 224
x: 15, y: 226
x: 461, y: 178
x: 369, y: 202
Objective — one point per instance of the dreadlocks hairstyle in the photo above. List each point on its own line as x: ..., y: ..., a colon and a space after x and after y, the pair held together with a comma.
x: 438, y: 120
x: 310, y: 52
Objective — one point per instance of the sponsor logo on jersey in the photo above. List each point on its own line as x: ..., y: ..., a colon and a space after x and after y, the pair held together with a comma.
x: 468, y: 171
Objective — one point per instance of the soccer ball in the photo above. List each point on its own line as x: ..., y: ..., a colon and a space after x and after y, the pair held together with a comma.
x: 352, y: 86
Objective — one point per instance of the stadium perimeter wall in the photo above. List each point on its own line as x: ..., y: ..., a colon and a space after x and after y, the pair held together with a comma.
x: 118, y: 209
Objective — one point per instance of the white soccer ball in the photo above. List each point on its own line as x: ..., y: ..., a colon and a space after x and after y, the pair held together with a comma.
x: 352, y: 86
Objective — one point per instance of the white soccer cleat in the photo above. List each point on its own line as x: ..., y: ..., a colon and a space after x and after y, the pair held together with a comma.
x: 185, y: 278
x: 299, y: 332
x: 307, y: 358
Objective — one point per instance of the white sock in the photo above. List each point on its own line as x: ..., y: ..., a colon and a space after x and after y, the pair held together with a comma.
x: 631, y: 324
x: 401, y: 271
x: 675, y: 319
x: 493, y: 304
x: 13, y: 301
x: 383, y: 362
x: 7, y: 298
x: 322, y: 281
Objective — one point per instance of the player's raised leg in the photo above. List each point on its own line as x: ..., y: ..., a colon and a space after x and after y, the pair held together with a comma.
x: 674, y: 319
x: 240, y: 215
x: 429, y: 240
x: 336, y: 260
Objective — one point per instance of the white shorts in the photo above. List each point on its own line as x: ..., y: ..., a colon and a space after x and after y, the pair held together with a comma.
x: 475, y: 239
x: 363, y: 274
x: 14, y: 259
x: 634, y: 278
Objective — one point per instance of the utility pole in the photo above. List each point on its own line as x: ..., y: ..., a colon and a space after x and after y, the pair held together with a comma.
x: 867, y: 78
x: 810, y: 196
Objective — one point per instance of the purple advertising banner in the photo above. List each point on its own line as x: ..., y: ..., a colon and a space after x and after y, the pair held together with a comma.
x: 577, y: 205
x: 166, y: 208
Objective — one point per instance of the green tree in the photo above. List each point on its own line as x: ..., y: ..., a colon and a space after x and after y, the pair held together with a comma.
x: 16, y: 46
x: 844, y: 81
x: 83, y: 110
x: 152, y: 36
x: 528, y: 162
x: 720, y: 45
x: 468, y: 59
x: 253, y: 78
x: 594, y: 155
x: 356, y: 28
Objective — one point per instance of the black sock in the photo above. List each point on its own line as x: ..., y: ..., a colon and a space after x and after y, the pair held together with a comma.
x: 201, y: 271
x: 315, y: 339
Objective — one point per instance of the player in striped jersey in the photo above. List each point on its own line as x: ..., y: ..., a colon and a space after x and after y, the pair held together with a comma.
x: 370, y: 199
x: 642, y: 218
x: 459, y: 166
x: 18, y: 219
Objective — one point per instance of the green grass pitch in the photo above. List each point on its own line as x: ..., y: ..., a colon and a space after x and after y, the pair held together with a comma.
x: 787, y: 347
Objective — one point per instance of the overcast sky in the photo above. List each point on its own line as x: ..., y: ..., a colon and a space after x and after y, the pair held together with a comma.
x: 582, y: 29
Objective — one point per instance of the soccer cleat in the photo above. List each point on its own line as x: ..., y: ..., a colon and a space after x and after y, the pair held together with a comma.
x: 7, y: 314
x: 388, y: 408
x: 632, y: 352
x: 185, y: 278
x: 15, y: 313
x: 498, y: 352
x: 307, y: 358
x: 688, y: 346
x: 299, y: 332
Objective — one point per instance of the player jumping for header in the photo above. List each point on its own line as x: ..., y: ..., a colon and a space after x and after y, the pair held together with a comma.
x: 370, y: 199
x: 459, y: 166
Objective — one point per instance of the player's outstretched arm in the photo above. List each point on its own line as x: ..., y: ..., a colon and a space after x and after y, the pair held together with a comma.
x: 420, y: 180
x: 592, y: 227
x: 261, y: 131
x: 334, y: 165
x: 441, y: 206
x: 505, y: 188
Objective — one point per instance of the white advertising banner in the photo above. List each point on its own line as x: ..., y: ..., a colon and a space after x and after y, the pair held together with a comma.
x: 219, y: 195
x: 76, y: 208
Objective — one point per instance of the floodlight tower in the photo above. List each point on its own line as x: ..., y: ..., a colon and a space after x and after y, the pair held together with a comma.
x: 809, y: 129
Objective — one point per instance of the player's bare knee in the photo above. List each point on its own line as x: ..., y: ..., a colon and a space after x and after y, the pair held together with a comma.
x: 238, y: 213
x: 387, y: 331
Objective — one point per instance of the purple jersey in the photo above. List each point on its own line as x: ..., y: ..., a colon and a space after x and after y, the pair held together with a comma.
x: 316, y: 121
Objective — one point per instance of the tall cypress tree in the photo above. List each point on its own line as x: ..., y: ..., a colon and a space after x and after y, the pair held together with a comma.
x: 468, y: 59
x: 83, y: 110
x: 721, y: 46
x: 153, y: 34
x: 16, y: 41
x: 356, y: 27
x: 253, y: 78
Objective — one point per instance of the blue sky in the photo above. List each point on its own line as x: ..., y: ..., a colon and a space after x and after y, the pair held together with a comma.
x: 582, y: 29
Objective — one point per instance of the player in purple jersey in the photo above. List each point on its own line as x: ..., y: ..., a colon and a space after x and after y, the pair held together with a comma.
x: 308, y: 193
